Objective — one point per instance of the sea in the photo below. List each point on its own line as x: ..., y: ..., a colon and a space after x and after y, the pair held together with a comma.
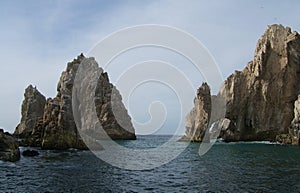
x: 226, y: 167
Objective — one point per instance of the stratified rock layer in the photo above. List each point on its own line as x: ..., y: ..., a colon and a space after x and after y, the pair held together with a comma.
x: 9, y: 148
x: 197, y: 120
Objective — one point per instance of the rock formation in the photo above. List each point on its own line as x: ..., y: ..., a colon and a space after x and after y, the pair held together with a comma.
x: 260, y: 99
x: 293, y: 135
x: 32, y: 110
x: 9, y: 148
x: 197, y: 120
x: 57, y: 129
x: 295, y: 125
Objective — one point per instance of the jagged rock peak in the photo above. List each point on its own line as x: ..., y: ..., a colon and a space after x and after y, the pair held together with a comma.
x: 197, y: 120
x: 60, y: 131
x: 50, y: 124
x: 32, y: 109
x: 260, y: 99
x: 203, y: 94
x: 76, y: 61
x: 274, y: 42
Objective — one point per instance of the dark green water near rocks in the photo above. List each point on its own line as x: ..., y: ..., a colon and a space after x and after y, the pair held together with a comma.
x: 233, y: 167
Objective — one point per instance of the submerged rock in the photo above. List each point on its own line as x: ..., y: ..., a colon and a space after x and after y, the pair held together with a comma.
x: 30, y: 153
x: 9, y: 148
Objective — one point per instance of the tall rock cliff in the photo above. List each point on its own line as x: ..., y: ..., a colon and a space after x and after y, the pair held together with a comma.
x: 261, y: 101
x: 197, y: 120
x: 57, y: 129
x: 32, y: 109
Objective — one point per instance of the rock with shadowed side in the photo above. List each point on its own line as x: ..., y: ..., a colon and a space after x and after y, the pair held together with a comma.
x: 260, y: 99
x: 9, y: 148
x: 293, y: 135
x: 197, y: 120
x: 295, y: 125
x: 60, y: 130
x: 52, y: 124
x: 261, y: 102
x: 32, y: 110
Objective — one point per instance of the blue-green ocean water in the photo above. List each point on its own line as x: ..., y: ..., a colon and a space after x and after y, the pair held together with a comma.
x: 227, y: 167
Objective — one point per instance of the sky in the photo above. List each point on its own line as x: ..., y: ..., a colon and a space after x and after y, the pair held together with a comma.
x: 38, y: 38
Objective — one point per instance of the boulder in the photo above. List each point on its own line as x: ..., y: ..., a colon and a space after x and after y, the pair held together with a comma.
x: 9, y: 148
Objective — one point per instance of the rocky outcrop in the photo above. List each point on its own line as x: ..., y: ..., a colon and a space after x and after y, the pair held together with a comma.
x: 293, y: 135
x: 111, y: 111
x: 56, y: 129
x: 260, y: 99
x: 295, y: 125
x: 60, y: 130
x: 197, y: 120
x: 32, y: 109
x: 9, y: 148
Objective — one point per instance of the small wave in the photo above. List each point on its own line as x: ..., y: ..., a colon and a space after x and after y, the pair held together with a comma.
x: 249, y: 142
x: 264, y: 142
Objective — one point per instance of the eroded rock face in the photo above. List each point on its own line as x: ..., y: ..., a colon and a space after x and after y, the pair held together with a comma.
x: 55, y: 127
x: 111, y: 111
x: 293, y: 135
x: 9, y: 148
x: 197, y: 120
x: 32, y: 109
x: 59, y: 128
x: 260, y: 99
x: 296, y: 121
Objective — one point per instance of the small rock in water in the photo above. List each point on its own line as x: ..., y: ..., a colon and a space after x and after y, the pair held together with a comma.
x: 30, y: 153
